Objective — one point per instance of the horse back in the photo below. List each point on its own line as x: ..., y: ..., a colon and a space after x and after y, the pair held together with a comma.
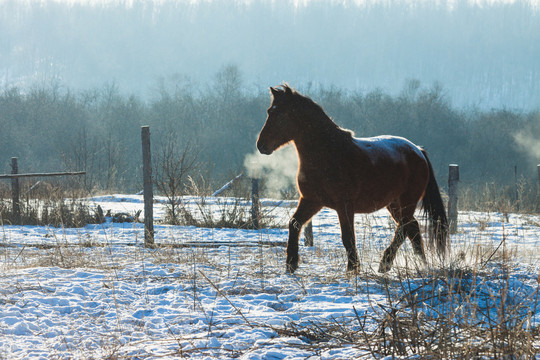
x: 388, y: 150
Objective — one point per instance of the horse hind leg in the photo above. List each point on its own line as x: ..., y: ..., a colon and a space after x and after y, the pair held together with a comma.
x: 405, y: 229
x: 412, y: 230
x: 390, y: 253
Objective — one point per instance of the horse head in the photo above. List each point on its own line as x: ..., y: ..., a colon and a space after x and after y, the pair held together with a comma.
x: 278, y: 129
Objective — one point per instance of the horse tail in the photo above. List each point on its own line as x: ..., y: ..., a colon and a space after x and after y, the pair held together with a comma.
x: 434, y: 208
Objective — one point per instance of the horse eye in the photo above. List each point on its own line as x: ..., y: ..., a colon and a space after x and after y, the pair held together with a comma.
x: 272, y: 110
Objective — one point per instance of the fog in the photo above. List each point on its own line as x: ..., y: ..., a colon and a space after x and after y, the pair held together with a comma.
x: 279, y: 169
x: 484, y: 55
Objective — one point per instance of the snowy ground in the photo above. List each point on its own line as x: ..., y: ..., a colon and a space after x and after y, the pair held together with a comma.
x: 96, y: 292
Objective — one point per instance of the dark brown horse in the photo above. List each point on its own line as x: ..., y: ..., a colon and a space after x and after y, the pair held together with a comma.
x: 352, y: 175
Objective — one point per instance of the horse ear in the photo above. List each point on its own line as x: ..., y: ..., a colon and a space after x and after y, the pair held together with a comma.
x: 273, y: 91
x: 287, y: 89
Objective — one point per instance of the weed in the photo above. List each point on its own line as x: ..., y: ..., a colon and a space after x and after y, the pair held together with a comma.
x: 49, y: 205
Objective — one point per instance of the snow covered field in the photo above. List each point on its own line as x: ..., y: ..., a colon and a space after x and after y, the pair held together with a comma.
x: 96, y: 292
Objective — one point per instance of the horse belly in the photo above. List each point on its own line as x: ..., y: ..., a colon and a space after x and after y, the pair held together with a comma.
x: 386, y: 185
x: 369, y: 202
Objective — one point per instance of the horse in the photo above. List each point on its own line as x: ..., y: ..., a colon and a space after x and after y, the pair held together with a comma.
x: 352, y: 175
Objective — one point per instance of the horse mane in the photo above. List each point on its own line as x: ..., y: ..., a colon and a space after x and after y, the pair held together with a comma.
x: 314, y: 110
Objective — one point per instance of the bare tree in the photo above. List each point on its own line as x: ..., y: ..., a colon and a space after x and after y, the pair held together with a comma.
x: 173, y: 164
x: 82, y: 156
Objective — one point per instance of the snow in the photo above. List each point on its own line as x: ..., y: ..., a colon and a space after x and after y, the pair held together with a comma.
x: 96, y: 292
x: 387, y: 146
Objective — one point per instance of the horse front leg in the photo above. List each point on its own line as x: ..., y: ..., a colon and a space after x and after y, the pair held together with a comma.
x: 346, y: 222
x: 305, y: 211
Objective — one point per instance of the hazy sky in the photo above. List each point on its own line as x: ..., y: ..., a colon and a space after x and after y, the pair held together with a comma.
x: 483, y: 56
x: 298, y: 2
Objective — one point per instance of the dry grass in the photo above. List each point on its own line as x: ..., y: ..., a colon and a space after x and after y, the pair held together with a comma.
x: 455, y: 312
x: 448, y: 314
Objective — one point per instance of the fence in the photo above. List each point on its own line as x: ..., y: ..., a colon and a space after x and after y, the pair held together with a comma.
x: 453, y: 181
x: 15, y: 188
x: 148, y: 192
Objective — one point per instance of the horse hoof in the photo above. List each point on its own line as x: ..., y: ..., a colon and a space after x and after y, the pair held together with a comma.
x: 352, y: 269
x: 384, y: 267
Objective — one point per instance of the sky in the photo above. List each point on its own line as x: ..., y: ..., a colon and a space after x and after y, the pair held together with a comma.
x: 298, y: 2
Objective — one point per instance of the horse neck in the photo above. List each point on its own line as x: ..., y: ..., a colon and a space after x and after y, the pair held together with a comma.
x: 318, y: 136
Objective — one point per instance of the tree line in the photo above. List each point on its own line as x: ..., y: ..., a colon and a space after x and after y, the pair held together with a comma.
x: 53, y: 128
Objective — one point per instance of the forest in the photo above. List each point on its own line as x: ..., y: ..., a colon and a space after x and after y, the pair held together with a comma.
x: 98, y: 130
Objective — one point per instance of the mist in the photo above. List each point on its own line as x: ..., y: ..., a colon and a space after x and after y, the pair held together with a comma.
x: 485, y: 54
x: 278, y: 169
x: 529, y: 144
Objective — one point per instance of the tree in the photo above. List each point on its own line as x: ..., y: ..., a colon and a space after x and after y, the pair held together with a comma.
x: 174, y: 163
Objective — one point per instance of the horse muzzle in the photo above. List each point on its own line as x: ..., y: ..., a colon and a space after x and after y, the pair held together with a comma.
x: 264, y: 149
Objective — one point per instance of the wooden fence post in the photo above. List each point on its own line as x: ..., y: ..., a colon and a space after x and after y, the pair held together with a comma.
x: 15, y: 192
x: 516, y: 187
x: 308, y: 234
x: 453, y: 180
x: 538, y: 189
x: 147, y: 188
x: 255, y: 199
